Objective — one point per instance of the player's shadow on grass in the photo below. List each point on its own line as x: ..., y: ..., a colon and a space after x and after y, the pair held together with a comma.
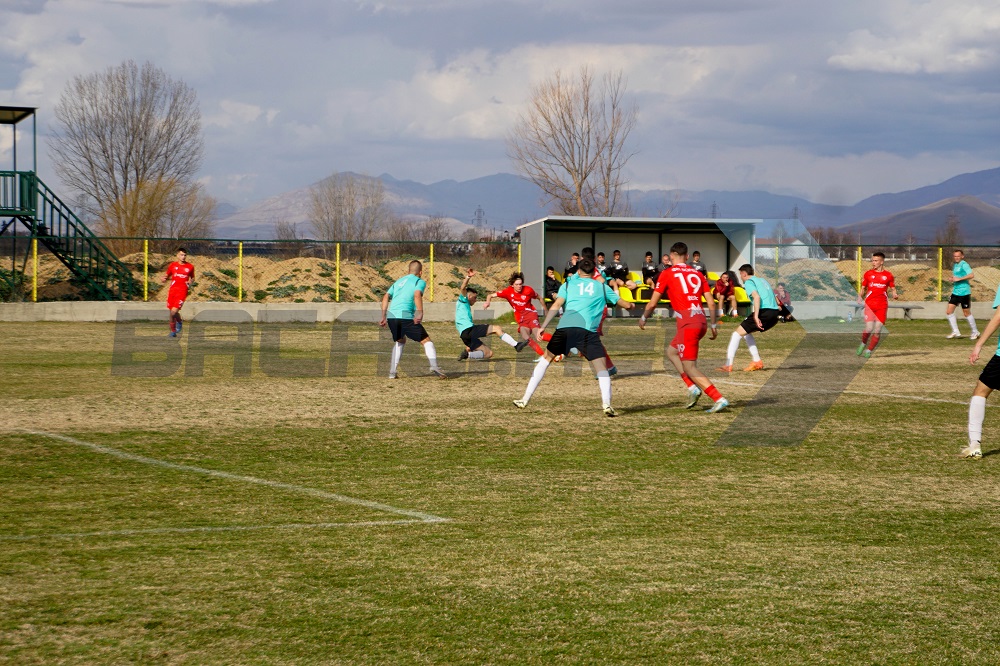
x: 902, y: 353
x: 994, y: 452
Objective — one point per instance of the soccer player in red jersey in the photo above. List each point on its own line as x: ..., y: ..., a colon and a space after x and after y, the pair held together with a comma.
x: 181, y: 275
x: 684, y: 287
x: 520, y: 295
x: 875, y: 284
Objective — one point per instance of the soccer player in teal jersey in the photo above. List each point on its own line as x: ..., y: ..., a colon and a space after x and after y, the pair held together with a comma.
x: 961, y: 294
x: 584, y: 300
x: 989, y: 381
x: 763, y: 317
x: 402, y: 312
x: 470, y: 332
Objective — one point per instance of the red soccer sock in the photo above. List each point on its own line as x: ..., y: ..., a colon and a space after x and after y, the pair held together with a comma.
x: 687, y: 380
x: 546, y: 336
x: 873, y: 343
x: 537, y: 347
x: 608, y: 361
x: 713, y: 393
x: 864, y: 337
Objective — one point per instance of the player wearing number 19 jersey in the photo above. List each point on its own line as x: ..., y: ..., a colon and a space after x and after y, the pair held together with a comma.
x: 684, y: 287
x: 584, y: 300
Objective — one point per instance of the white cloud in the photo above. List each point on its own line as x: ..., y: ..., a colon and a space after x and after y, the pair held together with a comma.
x: 927, y: 37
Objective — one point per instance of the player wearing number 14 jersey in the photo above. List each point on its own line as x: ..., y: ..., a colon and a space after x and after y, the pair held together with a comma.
x: 584, y: 300
x: 684, y: 287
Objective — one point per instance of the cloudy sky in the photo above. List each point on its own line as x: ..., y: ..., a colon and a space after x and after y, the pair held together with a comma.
x: 832, y: 101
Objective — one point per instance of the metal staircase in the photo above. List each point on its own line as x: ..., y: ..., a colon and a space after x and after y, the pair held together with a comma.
x: 27, y: 199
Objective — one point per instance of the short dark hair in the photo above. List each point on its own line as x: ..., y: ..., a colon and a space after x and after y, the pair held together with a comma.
x: 878, y: 254
x: 587, y: 252
x: 961, y: 252
x: 649, y: 254
x: 746, y: 268
x: 576, y: 254
x: 696, y: 252
x: 182, y: 249
x: 679, y: 248
x: 587, y: 266
x: 617, y: 252
x: 471, y: 290
x: 549, y: 268
x: 514, y: 277
x: 600, y: 254
x: 417, y: 263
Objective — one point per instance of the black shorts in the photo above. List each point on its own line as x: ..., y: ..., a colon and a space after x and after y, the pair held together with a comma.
x: 768, y: 318
x: 991, y: 373
x: 405, y: 328
x: 588, y: 343
x: 471, y: 335
x: 961, y: 301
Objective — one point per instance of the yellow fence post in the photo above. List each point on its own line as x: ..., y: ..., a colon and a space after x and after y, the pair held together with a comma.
x: 145, y: 270
x: 940, y: 264
x: 239, y: 288
x: 859, y: 269
x: 430, y: 288
x: 338, y: 273
x: 34, y: 270
x: 518, y: 257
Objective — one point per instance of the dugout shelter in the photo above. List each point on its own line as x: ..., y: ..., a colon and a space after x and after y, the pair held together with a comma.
x: 725, y: 244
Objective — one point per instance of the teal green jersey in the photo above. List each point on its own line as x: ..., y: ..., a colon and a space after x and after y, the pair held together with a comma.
x: 996, y: 304
x: 585, y: 301
x: 763, y: 289
x: 401, y: 305
x: 963, y: 288
x: 463, y: 313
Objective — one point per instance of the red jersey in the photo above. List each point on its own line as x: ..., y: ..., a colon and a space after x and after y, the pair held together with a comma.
x: 180, y: 275
x: 521, y: 302
x: 684, y: 287
x: 875, y: 285
x: 719, y: 290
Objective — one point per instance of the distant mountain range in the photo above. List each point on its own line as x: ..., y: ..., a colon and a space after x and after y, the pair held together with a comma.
x: 508, y: 201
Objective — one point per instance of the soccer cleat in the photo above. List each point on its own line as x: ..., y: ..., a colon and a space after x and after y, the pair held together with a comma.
x: 974, y: 336
x: 868, y: 353
x: 612, y: 371
x: 969, y: 452
x: 520, y: 404
x: 439, y: 373
x: 392, y: 376
x: 556, y: 358
x: 179, y: 324
x: 520, y: 345
x: 953, y: 335
x: 718, y: 406
x: 464, y: 355
x: 573, y: 351
x: 726, y: 368
x: 756, y: 365
x: 610, y: 412
x: 172, y: 334
x: 693, y: 394
x: 861, y: 349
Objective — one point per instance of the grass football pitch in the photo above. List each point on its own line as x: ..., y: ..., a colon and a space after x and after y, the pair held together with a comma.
x: 240, y: 514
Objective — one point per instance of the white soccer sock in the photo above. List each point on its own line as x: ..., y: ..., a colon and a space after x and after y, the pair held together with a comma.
x: 432, y: 355
x: 536, y: 378
x: 604, y: 382
x: 509, y: 340
x: 972, y: 322
x: 953, y: 320
x: 476, y: 355
x: 752, y: 346
x: 397, y: 351
x: 734, y: 343
x: 977, y: 412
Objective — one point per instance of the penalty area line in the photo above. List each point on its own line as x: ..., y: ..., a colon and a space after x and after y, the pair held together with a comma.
x: 419, y: 516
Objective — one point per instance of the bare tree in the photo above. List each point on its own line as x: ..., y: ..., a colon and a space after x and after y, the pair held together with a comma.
x: 165, y: 208
x: 951, y: 233
x: 572, y: 143
x: 348, y: 207
x: 128, y: 129
x: 288, y: 235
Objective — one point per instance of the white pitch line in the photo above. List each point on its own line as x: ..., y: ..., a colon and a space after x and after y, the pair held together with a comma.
x: 861, y: 393
x: 378, y: 506
x: 189, y: 530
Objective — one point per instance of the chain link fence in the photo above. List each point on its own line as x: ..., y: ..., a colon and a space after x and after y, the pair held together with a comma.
x: 266, y: 271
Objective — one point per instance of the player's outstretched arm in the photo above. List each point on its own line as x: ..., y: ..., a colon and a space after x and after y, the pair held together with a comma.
x: 556, y: 304
x: 990, y: 329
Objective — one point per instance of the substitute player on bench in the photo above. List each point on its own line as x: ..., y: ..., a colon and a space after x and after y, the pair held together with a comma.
x: 684, y: 287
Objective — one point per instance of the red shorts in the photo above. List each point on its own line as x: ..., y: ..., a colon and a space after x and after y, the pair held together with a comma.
x: 877, y: 311
x: 176, y: 298
x: 527, y: 319
x: 687, y: 338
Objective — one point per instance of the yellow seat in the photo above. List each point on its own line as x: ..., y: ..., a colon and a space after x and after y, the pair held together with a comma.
x: 713, y: 276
